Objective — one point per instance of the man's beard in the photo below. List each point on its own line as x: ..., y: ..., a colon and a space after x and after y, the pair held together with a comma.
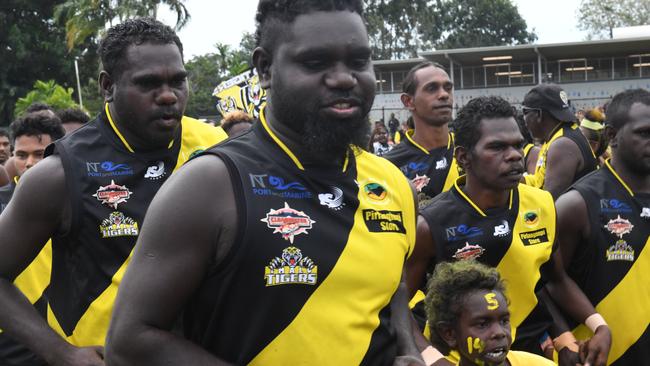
x: 330, y: 140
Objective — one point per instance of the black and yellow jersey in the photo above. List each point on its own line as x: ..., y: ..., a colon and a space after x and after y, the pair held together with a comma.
x: 431, y: 172
x: 110, y: 187
x: 572, y: 132
x: 6, y: 192
x: 517, y: 240
x: 612, y: 265
x: 319, y: 253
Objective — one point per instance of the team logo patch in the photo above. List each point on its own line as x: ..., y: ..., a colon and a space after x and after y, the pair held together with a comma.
x: 113, y: 194
x: 645, y: 212
x: 420, y: 181
x: 468, y: 252
x: 156, y: 171
x: 270, y: 185
x: 415, y: 167
x: 118, y: 225
x: 107, y: 169
x: 620, y: 251
x: 534, y: 237
x: 442, y: 164
x: 288, y: 222
x: 291, y: 268
x: 462, y: 232
x: 564, y: 97
x: 502, y: 230
x: 332, y: 200
x: 531, y: 218
x: 375, y: 191
x: 619, y: 226
x: 384, y: 221
x: 611, y: 205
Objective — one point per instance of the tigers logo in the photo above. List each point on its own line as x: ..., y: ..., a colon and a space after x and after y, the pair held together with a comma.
x: 375, y: 191
x: 288, y: 222
x: 118, y: 225
x: 291, y: 268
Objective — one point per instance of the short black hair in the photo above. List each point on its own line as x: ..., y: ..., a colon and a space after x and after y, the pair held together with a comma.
x: 72, y: 115
x: 467, y: 123
x: 112, y: 48
x: 447, y: 289
x: 4, y: 133
x: 410, y: 83
x: 273, y: 15
x: 618, y: 110
x: 36, y: 124
x: 37, y: 107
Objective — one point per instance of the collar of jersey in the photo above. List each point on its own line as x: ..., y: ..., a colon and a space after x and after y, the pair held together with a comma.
x: 460, y: 181
x: 286, y: 149
x: 119, y: 134
x: 620, y: 180
x: 409, y: 133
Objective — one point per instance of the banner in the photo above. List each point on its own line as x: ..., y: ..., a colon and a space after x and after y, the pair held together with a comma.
x: 242, y: 92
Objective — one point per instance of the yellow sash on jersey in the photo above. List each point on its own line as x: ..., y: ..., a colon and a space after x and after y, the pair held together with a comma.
x: 625, y: 308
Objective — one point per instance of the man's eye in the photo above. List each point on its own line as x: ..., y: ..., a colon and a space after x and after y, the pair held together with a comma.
x: 314, y: 64
x: 360, y: 62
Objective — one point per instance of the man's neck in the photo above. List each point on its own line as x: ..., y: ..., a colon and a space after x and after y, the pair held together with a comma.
x: 485, y: 198
x: 431, y: 137
x: 637, y: 183
x: 549, y: 128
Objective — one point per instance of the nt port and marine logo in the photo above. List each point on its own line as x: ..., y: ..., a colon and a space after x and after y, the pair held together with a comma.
x: 271, y: 185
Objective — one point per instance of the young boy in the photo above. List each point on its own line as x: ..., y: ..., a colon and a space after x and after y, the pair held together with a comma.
x: 468, y: 313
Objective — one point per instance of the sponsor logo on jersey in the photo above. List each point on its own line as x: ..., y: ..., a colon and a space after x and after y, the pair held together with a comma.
x: 620, y: 251
x: 442, y: 164
x: 468, y: 252
x: 462, y: 232
x: 531, y: 218
x: 534, y: 237
x: 288, y: 222
x: 156, y: 171
x: 502, y: 230
x: 107, y: 169
x: 645, y: 212
x: 414, y: 168
x: 375, y: 191
x: 610, y: 205
x: 332, y: 200
x: 112, y: 195
x: 117, y: 224
x: 619, y: 226
x: 384, y: 221
x: 420, y: 181
x: 270, y: 185
x: 291, y: 268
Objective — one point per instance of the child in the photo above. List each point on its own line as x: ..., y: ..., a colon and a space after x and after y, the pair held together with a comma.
x: 468, y: 312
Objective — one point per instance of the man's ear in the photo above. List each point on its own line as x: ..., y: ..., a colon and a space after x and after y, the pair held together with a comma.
x: 262, y: 61
x: 447, y: 333
x: 610, y: 134
x: 462, y: 157
x: 407, y: 101
x: 106, y: 86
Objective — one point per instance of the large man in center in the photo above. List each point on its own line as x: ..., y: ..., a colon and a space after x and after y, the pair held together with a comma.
x: 296, y: 257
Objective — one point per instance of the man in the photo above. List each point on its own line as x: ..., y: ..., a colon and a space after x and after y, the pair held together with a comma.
x: 565, y: 156
x: 91, y: 193
x: 5, y: 146
x: 488, y: 216
x: 72, y: 119
x: 295, y: 259
x: 604, y: 226
x: 393, y: 125
x: 427, y: 156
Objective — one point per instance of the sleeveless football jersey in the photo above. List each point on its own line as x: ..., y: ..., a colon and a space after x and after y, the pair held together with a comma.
x: 110, y: 187
x: 318, y: 255
x: 613, y: 264
x: 572, y: 132
x: 431, y: 172
x: 517, y: 240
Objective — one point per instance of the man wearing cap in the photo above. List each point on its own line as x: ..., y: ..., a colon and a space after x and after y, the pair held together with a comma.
x: 565, y: 155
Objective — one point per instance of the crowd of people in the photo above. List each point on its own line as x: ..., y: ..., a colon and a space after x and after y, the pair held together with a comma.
x: 498, y: 236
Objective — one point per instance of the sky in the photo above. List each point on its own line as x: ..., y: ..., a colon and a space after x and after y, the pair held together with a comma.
x: 224, y: 21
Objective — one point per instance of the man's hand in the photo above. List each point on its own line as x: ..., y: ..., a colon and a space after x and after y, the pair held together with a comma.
x: 81, y: 356
x: 566, y: 357
x: 594, y: 352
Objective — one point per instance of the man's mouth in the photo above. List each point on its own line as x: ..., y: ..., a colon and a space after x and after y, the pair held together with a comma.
x: 343, y: 108
x: 497, y: 353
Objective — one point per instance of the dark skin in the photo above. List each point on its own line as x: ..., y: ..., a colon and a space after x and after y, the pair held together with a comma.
x: 4, y: 177
x: 531, y: 162
x: 39, y: 212
x: 563, y: 159
x: 140, y: 331
x: 431, y: 107
x: 494, y: 167
x: 631, y: 161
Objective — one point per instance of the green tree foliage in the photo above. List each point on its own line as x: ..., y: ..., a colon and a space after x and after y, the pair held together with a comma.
x: 401, y: 28
x: 600, y: 17
x: 48, y: 92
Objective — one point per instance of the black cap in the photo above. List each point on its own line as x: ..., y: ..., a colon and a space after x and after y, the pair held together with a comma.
x: 550, y: 98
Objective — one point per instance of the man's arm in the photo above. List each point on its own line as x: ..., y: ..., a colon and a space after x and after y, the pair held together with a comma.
x: 190, y: 225
x: 418, y: 262
x: 38, y: 209
x: 573, y: 226
x: 562, y: 162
